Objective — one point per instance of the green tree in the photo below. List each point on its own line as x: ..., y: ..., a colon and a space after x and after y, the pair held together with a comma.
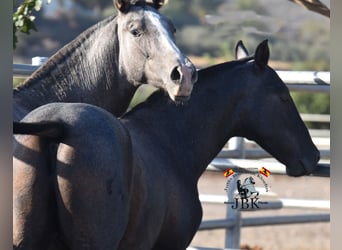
x: 308, y: 103
x: 189, y: 12
x: 24, y: 16
x: 95, y: 5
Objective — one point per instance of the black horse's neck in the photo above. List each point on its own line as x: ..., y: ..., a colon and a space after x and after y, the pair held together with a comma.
x: 192, y: 134
x: 85, y: 70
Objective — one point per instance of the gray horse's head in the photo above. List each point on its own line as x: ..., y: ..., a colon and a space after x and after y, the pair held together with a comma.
x: 148, y: 53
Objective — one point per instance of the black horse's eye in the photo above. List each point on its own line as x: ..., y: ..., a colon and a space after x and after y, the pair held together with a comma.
x: 281, y: 92
x: 284, y: 96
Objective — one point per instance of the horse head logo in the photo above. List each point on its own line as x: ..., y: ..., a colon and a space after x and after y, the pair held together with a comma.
x: 247, y: 188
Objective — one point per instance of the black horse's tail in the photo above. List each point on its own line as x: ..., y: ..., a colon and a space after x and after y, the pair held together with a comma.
x: 47, y: 129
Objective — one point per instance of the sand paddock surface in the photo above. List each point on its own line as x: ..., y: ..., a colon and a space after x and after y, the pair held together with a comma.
x: 309, y: 236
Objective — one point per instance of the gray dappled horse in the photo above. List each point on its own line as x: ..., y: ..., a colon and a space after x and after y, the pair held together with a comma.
x: 131, y: 183
x: 105, y: 64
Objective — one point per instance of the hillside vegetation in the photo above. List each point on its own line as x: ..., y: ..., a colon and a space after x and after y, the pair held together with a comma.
x: 207, y: 31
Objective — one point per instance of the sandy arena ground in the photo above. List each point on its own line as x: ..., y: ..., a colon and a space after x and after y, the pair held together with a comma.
x: 309, y: 236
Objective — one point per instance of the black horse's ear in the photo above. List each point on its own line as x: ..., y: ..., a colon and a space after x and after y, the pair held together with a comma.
x: 240, y: 51
x: 262, y: 54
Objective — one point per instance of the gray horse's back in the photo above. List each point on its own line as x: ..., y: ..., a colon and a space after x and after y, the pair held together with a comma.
x: 87, y: 175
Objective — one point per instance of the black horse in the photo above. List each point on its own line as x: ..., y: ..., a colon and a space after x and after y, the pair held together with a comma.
x: 131, y: 183
x: 105, y: 64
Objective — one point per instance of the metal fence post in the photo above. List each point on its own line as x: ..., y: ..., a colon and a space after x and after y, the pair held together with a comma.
x: 39, y: 60
x: 238, y: 144
x: 232, y: 234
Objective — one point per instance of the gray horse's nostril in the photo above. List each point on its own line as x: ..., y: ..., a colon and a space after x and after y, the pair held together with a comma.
x: 194, y: 75
x: 176, y: 74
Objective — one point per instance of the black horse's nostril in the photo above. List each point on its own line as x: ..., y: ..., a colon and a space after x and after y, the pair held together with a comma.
x: 176, y: 74
x: 318, y: 156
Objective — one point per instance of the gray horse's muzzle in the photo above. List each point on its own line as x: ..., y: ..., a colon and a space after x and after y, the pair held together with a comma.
x: 183, y: 77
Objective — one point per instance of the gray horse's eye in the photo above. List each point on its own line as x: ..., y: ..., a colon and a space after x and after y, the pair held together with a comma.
x: 136, y: 32
x: 136, y: 29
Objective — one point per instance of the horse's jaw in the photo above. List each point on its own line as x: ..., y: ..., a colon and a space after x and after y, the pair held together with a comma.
x: 303, y: 166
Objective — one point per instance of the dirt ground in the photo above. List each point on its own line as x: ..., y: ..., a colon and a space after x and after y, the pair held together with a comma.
x: 313, y: 236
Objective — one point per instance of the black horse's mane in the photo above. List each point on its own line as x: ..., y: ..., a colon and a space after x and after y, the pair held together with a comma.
x: 160, y: 97
x: 231, y: 63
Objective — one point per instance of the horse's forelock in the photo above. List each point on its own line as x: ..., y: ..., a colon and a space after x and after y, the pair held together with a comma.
x: 142, y: 3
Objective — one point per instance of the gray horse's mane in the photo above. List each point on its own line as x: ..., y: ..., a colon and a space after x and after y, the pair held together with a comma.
x: 64, y: 54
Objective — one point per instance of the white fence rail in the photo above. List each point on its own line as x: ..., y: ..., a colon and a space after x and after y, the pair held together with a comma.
x: 273, y: 204
x: 221, y: 164
x: 308, y: 81
x: 23, y: 70
x: 234, y: 221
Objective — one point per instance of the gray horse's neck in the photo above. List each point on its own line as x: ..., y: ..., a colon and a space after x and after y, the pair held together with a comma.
x: 86, y: 70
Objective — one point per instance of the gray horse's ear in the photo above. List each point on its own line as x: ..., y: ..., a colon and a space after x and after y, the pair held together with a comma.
x: 240, y: 51
x: 159, y: 3
x: 122, y: 5
x: 262, y: 54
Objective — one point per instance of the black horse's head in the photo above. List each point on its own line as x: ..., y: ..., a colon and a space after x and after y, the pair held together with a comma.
x: 148, y: 53
x: 273, y: 120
